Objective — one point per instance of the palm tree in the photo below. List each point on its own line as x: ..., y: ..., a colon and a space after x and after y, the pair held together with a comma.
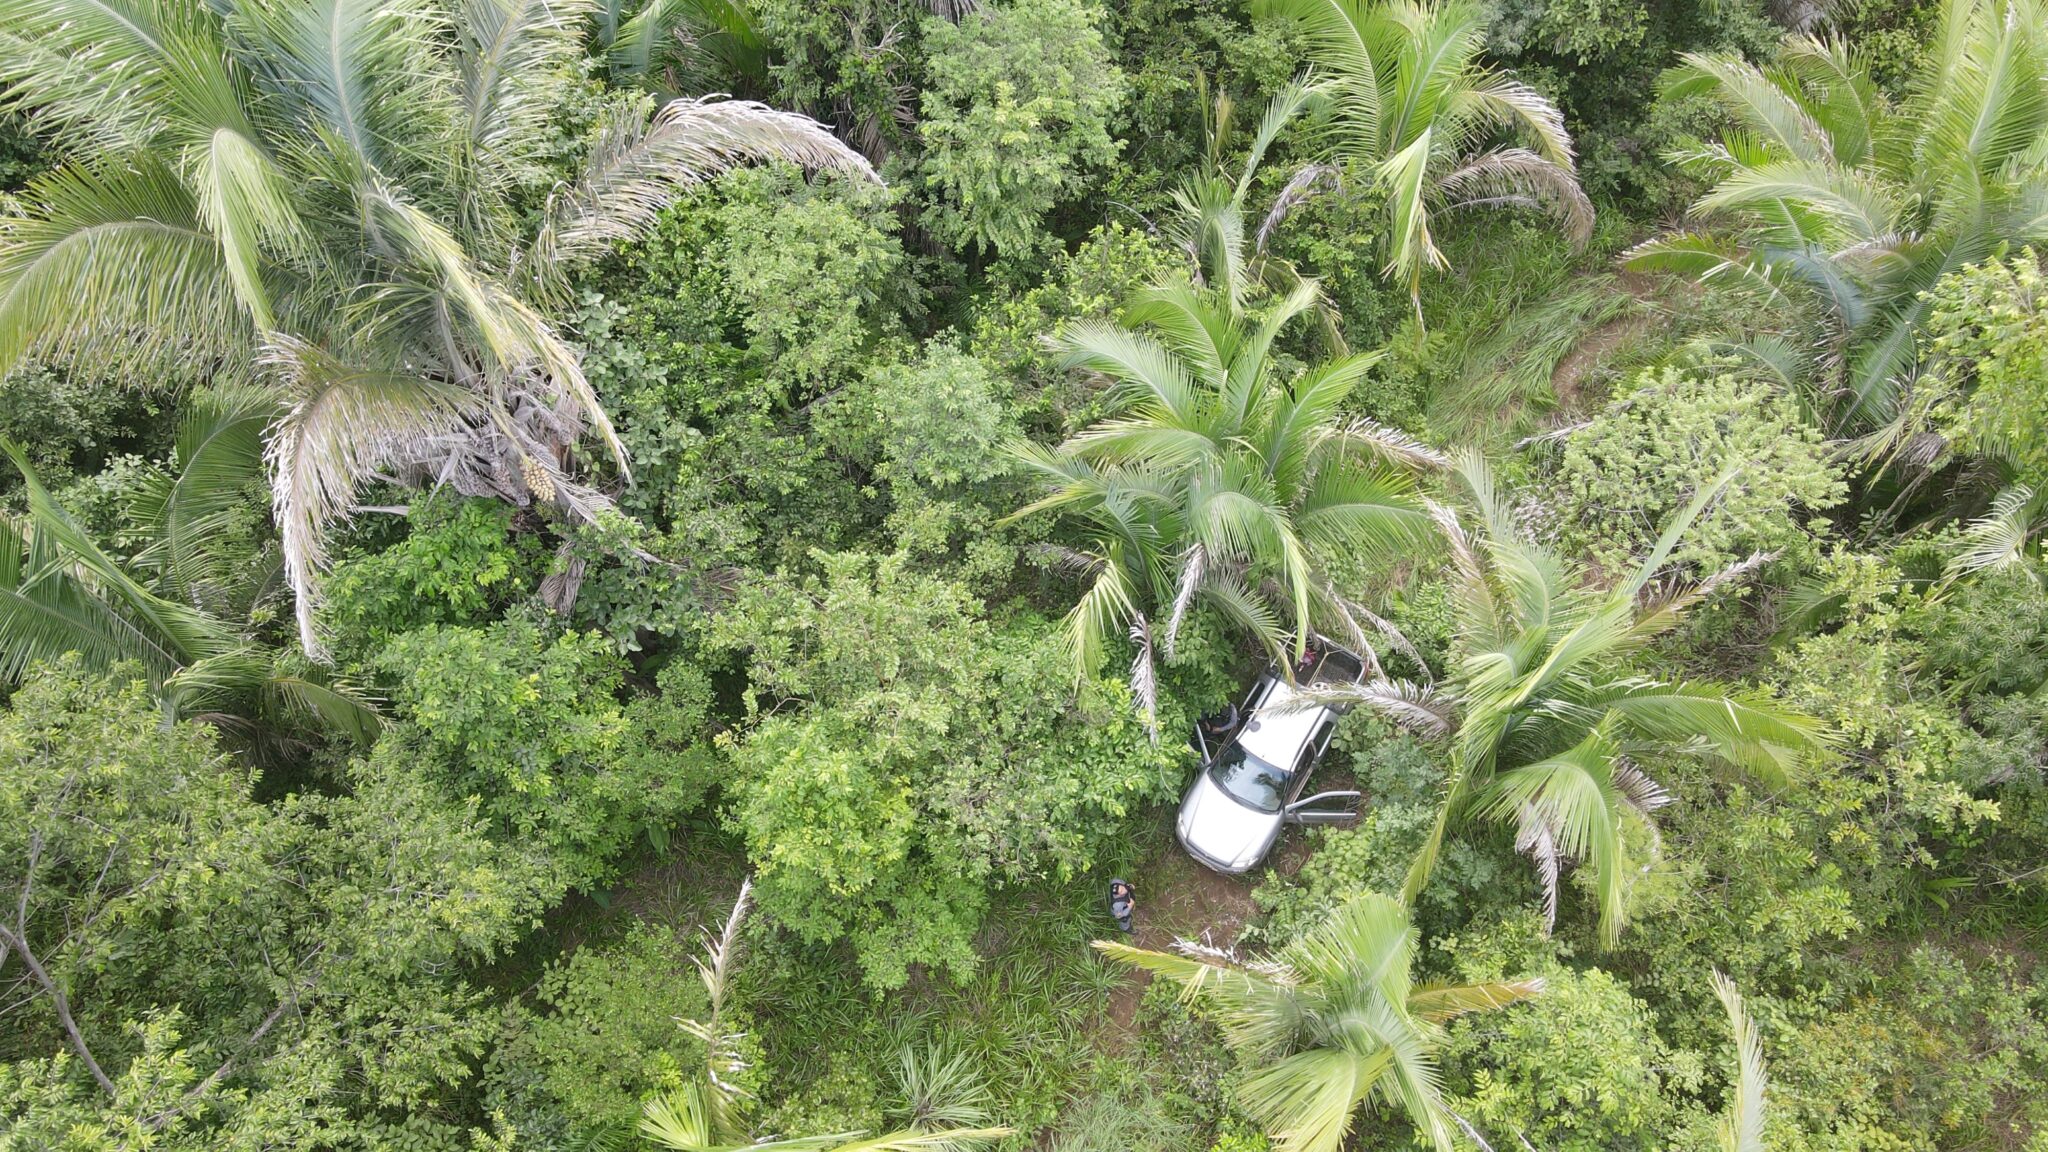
x: 1829, y: 193
x: 1211, y: 206
x: 1420, y: 114
x: 1330, y: 1022
x: 190, y: 608
x: 697, y: 1116
x: 1219, y: 483
x: 354, y: 203
x: 1546, y: 714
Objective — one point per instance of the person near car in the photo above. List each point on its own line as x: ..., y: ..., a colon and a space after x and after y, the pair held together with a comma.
x: 1221, y: 723
x: 1123, y: 905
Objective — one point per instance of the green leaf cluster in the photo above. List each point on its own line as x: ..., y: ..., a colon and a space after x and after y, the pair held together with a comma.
x: 885, y: 809
x: 1016, y: 115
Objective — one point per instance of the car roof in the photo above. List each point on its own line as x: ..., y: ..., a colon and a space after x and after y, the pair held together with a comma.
x: 1276, y: 734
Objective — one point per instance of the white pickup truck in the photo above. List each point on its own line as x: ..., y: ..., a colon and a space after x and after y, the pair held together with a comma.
x: 1251, y: 787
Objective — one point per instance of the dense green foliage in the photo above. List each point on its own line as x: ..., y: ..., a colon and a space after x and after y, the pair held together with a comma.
x: 546, y: 610
x: 1674, y: 433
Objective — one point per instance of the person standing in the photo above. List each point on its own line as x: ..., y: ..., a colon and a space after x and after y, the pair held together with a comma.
x: 1123, y: 905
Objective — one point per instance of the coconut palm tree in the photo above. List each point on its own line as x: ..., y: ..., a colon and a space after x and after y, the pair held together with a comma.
x: 1546, y: 713
x: 1828, y: 193
x: 1219, y: 482
x: 358, y: 204
x: 697, y: 1116
x: 1330, y: 1022
x: 190, y: 607
x: 1423, y: 119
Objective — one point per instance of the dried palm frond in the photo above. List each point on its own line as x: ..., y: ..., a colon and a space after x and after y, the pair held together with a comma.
x: 1519, y: 177
x: 1536, y: 838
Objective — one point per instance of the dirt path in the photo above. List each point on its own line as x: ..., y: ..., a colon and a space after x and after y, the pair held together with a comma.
x: 1569, y: 378
x: 1179, y: 899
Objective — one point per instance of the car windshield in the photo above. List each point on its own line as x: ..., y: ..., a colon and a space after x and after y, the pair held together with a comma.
x: 1249, y: 780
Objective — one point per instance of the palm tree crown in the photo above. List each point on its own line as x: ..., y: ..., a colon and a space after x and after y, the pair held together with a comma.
x: 1331, y: 1022
x: 1417, y: 108
x: 1828, y: 189
x: 353, y: 202
x: 1546, y: 714
x: 1220, y: 482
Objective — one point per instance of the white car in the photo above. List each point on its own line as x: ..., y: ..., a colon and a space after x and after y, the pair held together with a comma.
x: 1250, y: 788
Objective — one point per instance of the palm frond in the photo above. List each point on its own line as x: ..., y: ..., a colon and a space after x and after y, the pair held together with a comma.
x: 116, y: 266
x: 1339, y: 37
x: 1306, y: 1100
x: 680, y: 1119
x: 1441, y: 1002
x: 1102, y: 612
x: 218, y: 461
x: 367, y: 72
x: 640, y: 164
x: 1708, y: 259
x: 1141, y: 366
x: 1257, y: 1011
x: 339, y: 423
x: 1289, y: 101
x: 1536, y: 838
x: 1742, y: 1128
x: 914, y: 1140
x: 1746, y: 728
x: 2000, y: 537
x: 1766, y: 104
x: 1514, y: 105
x: 1391, y: 444
x: 1410, y: 247
x: 178, y: 633
x: 1193, y: 566
x: 1571, y: 798
x: 1144, y: 677
x: 1519, y: 177
x: 509, y: 50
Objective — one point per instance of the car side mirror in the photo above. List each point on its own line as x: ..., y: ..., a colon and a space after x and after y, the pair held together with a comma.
x: 1304, y: 811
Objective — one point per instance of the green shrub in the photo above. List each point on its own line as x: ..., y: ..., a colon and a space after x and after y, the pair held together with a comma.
x: 72, y: 426
x: 1017, y: 112
x: 709, y: 345
x: 1935, y: 1047
x: 459, y: 563
x: 887, y: 807
x: 1094, y: 282
x: 534, y: 729
x: 1989, y: 347
x: 610, y: 1036
x: 941, y: 418
x: 1578, y: 1069
x: 1643, y: 458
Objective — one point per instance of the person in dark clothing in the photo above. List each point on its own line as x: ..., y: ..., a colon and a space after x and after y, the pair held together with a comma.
x: 1218, y: 725
x: 1123, y: 905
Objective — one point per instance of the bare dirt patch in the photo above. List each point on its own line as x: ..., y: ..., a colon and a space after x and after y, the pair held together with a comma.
x: 1179, y: 899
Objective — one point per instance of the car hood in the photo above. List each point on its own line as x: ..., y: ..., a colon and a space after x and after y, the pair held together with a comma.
x: 1222, y: 833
